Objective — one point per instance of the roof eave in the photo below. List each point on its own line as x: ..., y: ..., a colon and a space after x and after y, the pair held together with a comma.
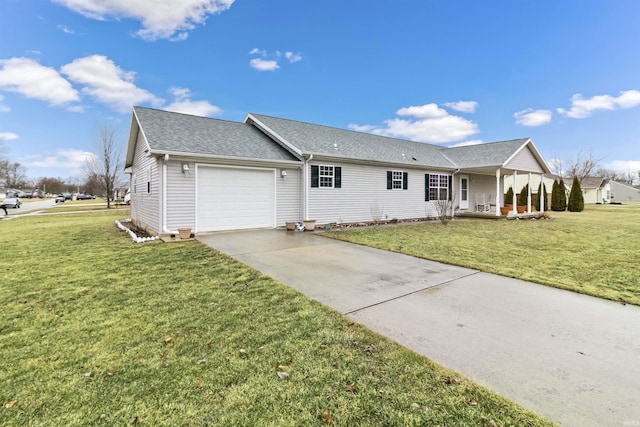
x: 196, y: 156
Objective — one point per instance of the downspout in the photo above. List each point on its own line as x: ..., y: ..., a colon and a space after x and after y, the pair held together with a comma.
x: 306, y: 187
x: 164, y: 195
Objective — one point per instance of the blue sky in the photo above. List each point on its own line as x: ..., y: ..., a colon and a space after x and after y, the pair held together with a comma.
x: 565, y: 73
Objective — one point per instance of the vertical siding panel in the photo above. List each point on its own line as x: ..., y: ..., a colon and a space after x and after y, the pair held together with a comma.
x: 525, y: 161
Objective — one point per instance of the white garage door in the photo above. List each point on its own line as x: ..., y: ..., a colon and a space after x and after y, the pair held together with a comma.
x: 235, y: 198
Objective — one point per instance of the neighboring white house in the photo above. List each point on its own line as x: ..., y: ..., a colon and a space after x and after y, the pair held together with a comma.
x: 595, y: 189
x: 624, y: 193
x: 211, y: 175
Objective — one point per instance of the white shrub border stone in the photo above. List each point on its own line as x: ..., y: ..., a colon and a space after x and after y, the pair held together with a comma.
x: 135, y: 238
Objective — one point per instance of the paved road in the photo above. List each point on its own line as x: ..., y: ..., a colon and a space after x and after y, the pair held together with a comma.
x: 30, y: 206
x: 573, y: 359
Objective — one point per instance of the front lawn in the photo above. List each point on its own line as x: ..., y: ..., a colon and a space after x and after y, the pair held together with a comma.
x: 97, y: 330
x: 595, y: 252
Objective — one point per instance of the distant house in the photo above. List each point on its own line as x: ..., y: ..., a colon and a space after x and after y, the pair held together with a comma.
x: 211, y: 175
x: 621, y: 192
x: 595, y: 189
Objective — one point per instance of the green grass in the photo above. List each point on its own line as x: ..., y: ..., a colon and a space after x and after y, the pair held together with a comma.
x: 97, y: 330
x: 594, y: 252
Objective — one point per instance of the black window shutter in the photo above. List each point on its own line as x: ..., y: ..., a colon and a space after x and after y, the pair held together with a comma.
x: 405, y: 180
x: 337, y: 177
x: 450, y: 187
x: 315, y: 176
x: 389, y: 180
x: 426, y: 187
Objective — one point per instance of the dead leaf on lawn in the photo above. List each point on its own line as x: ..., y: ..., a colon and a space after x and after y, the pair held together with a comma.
x: 472, y: 402
x: 283, y: 368
x: 350, y: 388
x: 199, y: 384
x: 450, y: 380
x: 201, y: 361
x: 369, y: 349
x: 168, y: 340
x: 10, y: 404
x: 88, y: 374
x: 282, y: 375
x: 326, y: 417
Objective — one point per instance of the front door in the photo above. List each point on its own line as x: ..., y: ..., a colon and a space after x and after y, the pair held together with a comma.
x: 464, y: 192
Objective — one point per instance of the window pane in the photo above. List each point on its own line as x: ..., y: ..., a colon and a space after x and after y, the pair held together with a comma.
x: 433, y: 193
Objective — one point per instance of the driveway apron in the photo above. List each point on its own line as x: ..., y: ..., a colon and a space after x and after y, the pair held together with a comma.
x: 571, y: 358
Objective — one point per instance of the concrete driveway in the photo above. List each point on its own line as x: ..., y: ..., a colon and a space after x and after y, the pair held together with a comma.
x: 571, y: 358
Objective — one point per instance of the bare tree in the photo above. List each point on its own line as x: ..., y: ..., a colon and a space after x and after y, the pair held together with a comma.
x: 13, y: 174
x: 106, y: 163
x: 582, y: 166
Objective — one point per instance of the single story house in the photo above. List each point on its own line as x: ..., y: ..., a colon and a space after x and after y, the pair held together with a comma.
x: 595, y: 189
x: 621, y: 192
x: 212, y: 175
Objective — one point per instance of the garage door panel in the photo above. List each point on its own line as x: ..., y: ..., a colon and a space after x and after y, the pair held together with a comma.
x: 235, y: 198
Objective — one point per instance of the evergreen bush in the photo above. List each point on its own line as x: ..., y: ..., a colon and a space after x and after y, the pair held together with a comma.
x: 576, y: 201
x: 523, y: 196
x: 563, y: 195
x: 508, y: 198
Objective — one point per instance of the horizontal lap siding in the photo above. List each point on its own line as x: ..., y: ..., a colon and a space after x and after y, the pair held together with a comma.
x: 288, y: 196
x: 181, y: 203
x: 145, y: 206
x: 525, y: 161
x: 363, y: 188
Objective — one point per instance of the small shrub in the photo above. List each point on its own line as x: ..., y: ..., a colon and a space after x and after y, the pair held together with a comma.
x: 523, y: 196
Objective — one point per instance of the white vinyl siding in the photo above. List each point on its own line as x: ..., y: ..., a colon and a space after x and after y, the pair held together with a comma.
x: 288, y: 197
x: 145, y: 207
x: 181, y: 203
x: 525, y: 161
x: 364, y: 193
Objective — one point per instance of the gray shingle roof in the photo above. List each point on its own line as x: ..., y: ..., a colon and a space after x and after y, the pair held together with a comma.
x: 334, y: 142
x: 484, y: 155
x: 175, y: 132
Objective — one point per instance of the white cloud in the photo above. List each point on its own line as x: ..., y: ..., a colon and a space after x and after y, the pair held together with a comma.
x: 183, y: 104
x: 264, y: 64
x: 424, y: 111
x: 269, y: 64
x: 160, y: 19
x: 8, y: 136
x: 531, y: 117
x: 104, y: 81
x: 431, y: 124
x: 256, y: 51
x: 624, y: 165
x: 582, y: 108
x: 69, y: 161
x: 27, y: 77
x: 463, y: 106
x: 292, y: 57
x: 66, y: 29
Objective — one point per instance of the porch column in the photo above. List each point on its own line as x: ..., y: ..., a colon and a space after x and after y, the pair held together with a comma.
x: 541, y: 195
x: 514, y: 202
x: 498, y: 192
x: 529, y: 194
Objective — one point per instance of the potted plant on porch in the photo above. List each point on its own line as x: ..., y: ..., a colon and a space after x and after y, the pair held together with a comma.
x: 508, y: 202
x: 522, y: 199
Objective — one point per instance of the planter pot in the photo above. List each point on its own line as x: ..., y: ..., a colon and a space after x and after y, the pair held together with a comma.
x: 184, y: 233
x: 505, y: 210
x: 291, y: 225
x: 309, y: 224
x: 521, y: 209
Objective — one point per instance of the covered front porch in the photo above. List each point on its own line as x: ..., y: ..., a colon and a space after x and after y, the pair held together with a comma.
x: 481, y: 190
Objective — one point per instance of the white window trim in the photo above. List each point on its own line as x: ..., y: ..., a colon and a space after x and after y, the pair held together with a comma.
x: 331, y: 176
